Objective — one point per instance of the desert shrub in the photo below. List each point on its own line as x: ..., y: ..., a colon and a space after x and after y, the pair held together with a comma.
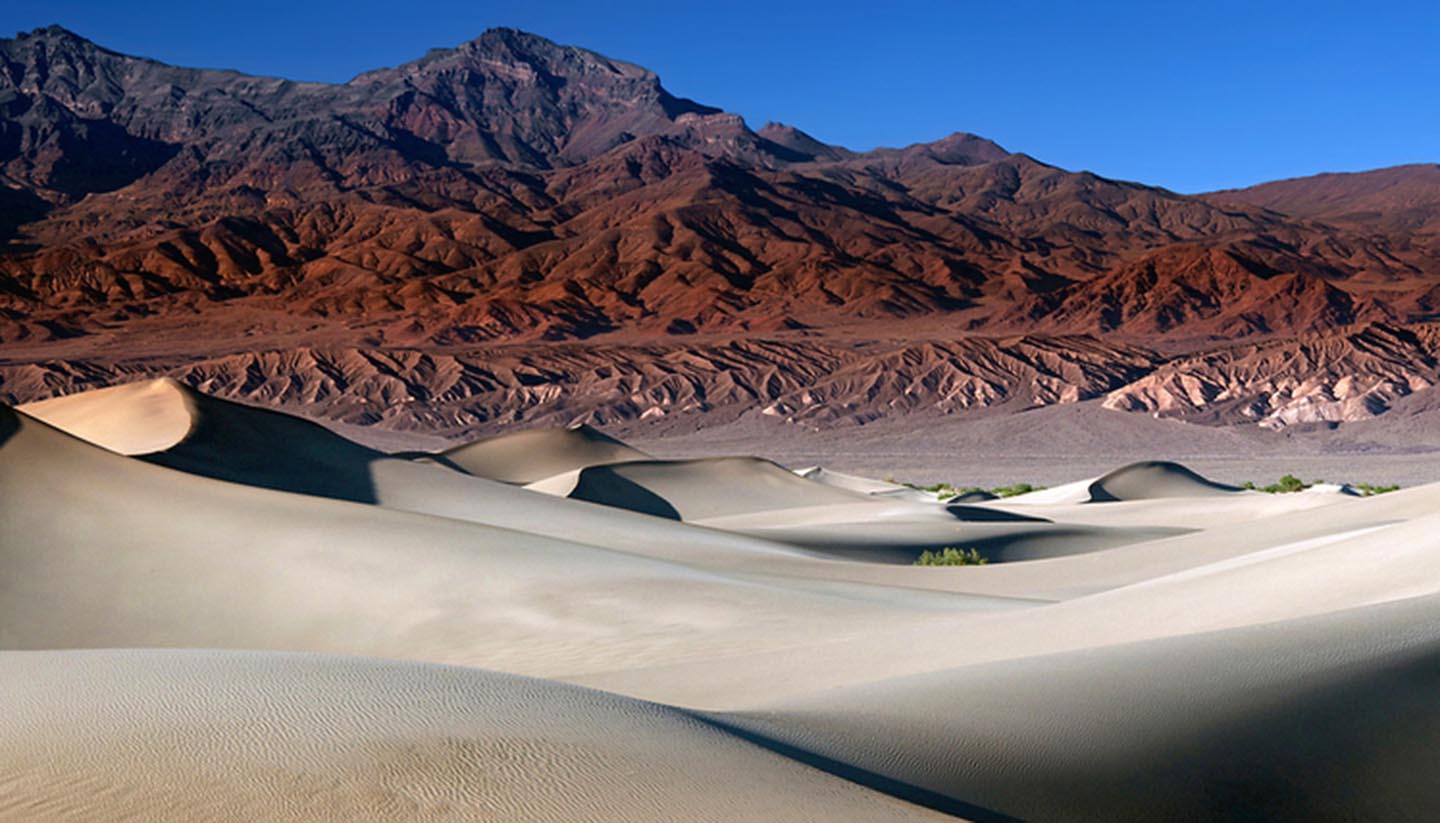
x: 951, y: 556
x: 1015, y: 489
x: 945, y: 490
x: 1288, y: 483
x: 937, y: 488
x: 1370, y: 489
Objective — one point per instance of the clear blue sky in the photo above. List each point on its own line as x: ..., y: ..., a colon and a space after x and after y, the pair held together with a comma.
x: 1193, y: 96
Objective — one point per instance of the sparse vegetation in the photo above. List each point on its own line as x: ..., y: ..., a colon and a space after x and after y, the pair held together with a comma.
x: 942, y: 489
x: 1288, y: 483
x: 1291, y: 483
x: 951, y: 556
x: 945, y: 491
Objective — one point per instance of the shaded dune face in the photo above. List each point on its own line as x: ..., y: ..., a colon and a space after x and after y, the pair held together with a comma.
x: 611, y: 489
x: 171, y: 425
x: 1155, y: 479
x: 710, y: 488
x: 1324, y: 719
x: 1145, y: 645
x: 759, y: 498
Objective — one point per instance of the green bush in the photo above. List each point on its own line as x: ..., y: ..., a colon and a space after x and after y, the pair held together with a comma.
x: 1288, y: 483
x: 946, y: 491
x: 951, y: 556
x: 1291, y: 483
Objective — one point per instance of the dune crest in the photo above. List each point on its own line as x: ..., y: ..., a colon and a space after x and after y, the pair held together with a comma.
x: 132, y: 418
x: 1154, y: 479
x: 535, y: 454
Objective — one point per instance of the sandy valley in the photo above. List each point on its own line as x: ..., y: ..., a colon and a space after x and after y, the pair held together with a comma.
x: 212, y: 609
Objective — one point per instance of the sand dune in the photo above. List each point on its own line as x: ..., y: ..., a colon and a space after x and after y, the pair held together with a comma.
x: 527, y: 456
x: 172, y: 425
x: 758, y: 498
x: 136, y: 418
x: 1329, y: 718
x: 699, y: 490
x: 1146, y: 480
x: 856, y: 483
x: 1146, y: 644
x: 199, y: 736
x: 1154, y: 479
x: 228, y: 441
x: 1293, y: 566
x: 154, y: 557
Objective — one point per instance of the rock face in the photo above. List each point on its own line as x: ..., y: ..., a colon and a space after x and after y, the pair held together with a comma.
x: 1325, y: 378
x: 448, y: 229
x: 810, y: 383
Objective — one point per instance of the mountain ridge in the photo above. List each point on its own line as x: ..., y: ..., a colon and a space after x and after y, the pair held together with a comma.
x: 515, y: 192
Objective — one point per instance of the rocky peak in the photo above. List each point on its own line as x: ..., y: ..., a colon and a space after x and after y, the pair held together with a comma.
x: 960, y: 148
x: 528, y: 100
x: 801, y: 143
x: 52, y: 60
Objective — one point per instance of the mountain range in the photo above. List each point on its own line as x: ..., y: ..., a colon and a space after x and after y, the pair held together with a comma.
x: 515, y: 231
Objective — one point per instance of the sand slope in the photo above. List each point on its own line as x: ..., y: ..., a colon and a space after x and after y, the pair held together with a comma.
x: 210, y: 736
x: 758, y: 498
x: 135, y: 418
x: 1326, y: 719
x: 173, y: 425
x: 102, y: 550
x: 698, y: 490
x: 1154, y: 479
x: 527, y: 456
x: 1145, y: 645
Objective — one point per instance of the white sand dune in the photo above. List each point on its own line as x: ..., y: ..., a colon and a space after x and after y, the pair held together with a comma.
x: 261, y: 448
x: 199, y: 736
x: 534, y: 454
x: 172, y: 425
x: 712, y: 488
x: 1296, y: 570
x: 864, y: 485
x: 1145, y: 645
x: 154, y: 557
x: 136, y: 418
x: 257, y: 447
x: 1155, y: 479
x: 755, y: 497
x: 1327, y: 718
x: 1146, y: 480
x: 1071, y: 493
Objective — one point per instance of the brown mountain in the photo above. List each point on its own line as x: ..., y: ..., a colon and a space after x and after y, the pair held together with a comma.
x: 1399, y: 200
x: 500, y: 201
